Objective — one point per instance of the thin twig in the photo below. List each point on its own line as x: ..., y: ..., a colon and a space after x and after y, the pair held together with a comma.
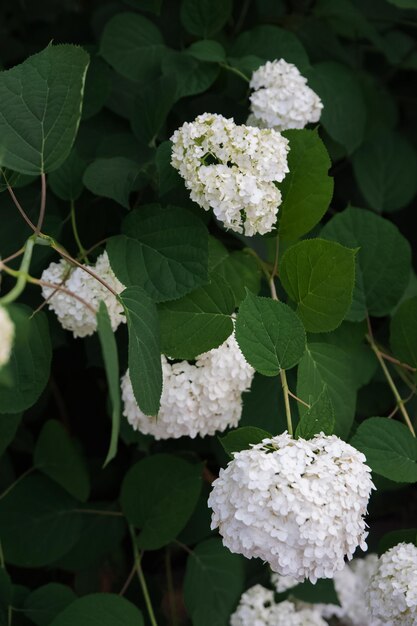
x: 298, y: 399
x: 73, y: 261
x: 392, y: 359
x: 141, y: 578
x: 44, y: 283
x: 13, y: 256
x: 20, y: 208
x: 128, y: 580
x: 43, y: 205
x: 170, y: 585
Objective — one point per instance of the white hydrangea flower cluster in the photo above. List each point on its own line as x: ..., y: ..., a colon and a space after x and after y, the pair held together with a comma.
x: 232, y: 168
x: 257, y: 607
x: 281, y: 98
x: 6, y: 336
x: 196, y: 399
x: 351, y: 584
x: 392, y: 592
x: 73, y: 314
x: 297, y: 504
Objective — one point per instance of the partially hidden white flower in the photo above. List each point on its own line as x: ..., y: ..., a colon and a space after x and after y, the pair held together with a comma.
x: 232, y: 169
x: 6, y: 336
x: 72, y: 313
x: 281, y: 98
x: 197, y: 399
x: 392, y: 592
x: 257, y: 607
x: 351, y: 584
x: 297, y: 504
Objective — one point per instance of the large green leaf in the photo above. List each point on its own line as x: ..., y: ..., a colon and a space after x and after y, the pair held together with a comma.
x: 327, y: 366
x: 386, y: 171
x: 213, y: 583
x: 389, y: 447
x: 30, y: 360
x: 307, y: 189
x: 67, y: 181
x: 190, y: 75
x: 144, y: 350
x: 270, y: 42
x: 340, y: 92
x: 38, y: 522
x: 205, y: 18
x: 270, y: 335
x: 100, y: 609
x: 112, y: 178
x: 45, y: 603
x: 111, y: 365
x: 164, y: 250
x: 158, y: 496
x: 403, y: 337
x: 40, y: 108
x: 133, y: 46
x: 198, y: 322
x: 151, y: 108
x: 382, y: 265
x: 318, y: 276
x: 57, y: 457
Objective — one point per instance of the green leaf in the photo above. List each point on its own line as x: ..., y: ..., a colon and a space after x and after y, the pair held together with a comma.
x: 340, y: 91
x: 57, y: 457
x: 242, y: 438
x: 151, y: 108
x: 325, y: 365
x: 40, y: 108
x: 214, y: 581
x: 133, y: 46
x: 270, y: 335
x: 9, y: 423
x: 241, y: 271
x: 198, y: 322
x: 205, y: 18
x: 268, y: 43
x: 385, y: 169
x: 394, y: 537
x: 403, y: 336
x: 158, y: 496
x: 38, y: 522
x: 382, y: 265
x: 207, y: 50
x: 45, y: 603
x: 318, y: 276
x: 144, y: 351
x: 307, y: 189
x: 100, y: 609
x: 318, y: 418
x: 97, y: 87
x: 67, y: 181
x: 111, y: 365
x: 164, y: 250
x: 191, y: 76
x: 30, y: 360
x: 389, y: 447
x: 112, y: 178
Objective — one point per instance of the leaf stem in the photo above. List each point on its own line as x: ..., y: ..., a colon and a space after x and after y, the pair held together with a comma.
x: 76, y: 234
x: 72, y: 294
x: 43, y: 205
x: 389, y: 379
x: 22, y: 275
x: 20, y: 208
x: 234, y: 70
x: 141, y: 578
x: 73, y: 261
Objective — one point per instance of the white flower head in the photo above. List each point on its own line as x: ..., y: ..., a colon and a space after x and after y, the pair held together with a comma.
x: 297, y: 504
x: 232, y: 169
x: 72, y: 313
x: 257, y: 607
x: 6, y: 336
x: 351, y: 584
x: 281, y: 98
x: 392, y: 592
x: 196, y: 399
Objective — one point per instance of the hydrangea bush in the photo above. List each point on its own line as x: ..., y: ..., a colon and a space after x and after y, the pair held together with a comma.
x: 208, y: 345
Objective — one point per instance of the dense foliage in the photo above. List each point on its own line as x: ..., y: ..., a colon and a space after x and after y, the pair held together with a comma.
x: 301, y: 319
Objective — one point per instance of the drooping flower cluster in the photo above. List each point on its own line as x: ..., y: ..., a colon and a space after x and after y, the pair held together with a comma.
x: 196, y: 399
x: 232, y: 168
x: 6, y: 336
x: 351, y: 584
x: 392, y: 592
x: 297, y: 504
x: 72, y: 313
x: 257, y: 607
x: 281, y: 98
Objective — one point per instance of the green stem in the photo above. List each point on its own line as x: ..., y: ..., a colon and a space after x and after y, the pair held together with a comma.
x: 81, y: 248
x: 391, y: 383
x: 141, y: 578
x: 285, y: 390
x: 22, y: 274
x: 234, y: 70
